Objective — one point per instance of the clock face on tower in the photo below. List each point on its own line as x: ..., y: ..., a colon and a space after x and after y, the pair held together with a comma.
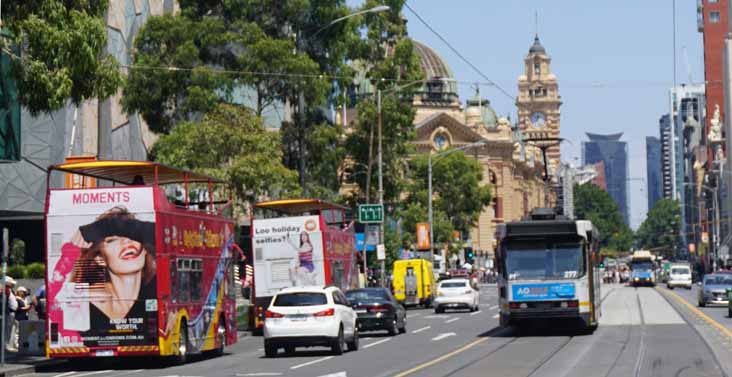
x: 538, y: 119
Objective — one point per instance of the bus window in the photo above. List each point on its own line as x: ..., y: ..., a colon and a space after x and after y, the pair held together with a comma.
x: 184, y: 285
x: 196, y: 278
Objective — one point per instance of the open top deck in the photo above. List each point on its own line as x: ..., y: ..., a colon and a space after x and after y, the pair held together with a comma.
x: 126, y: 172
x: 294, y: 207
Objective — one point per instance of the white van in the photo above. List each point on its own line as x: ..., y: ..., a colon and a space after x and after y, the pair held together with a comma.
x: 679, y: 276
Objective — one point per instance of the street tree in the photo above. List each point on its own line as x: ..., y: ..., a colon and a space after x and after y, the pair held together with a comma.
x: 457, y: 188
x: 57, y: 49
x: 389, y: 61
x: 594, y: 204
x: 231, y: 143
x: 662, y: 226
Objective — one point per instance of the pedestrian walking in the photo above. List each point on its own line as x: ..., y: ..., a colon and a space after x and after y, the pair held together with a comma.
x: 11, y: 305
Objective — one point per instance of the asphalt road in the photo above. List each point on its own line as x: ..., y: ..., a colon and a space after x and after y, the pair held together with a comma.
x: 643, y: 332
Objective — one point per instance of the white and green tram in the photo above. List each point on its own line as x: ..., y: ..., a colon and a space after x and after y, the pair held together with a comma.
x: 548, y: 270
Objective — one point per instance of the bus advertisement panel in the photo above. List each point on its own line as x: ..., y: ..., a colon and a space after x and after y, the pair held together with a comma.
x: 101, y: 270
x: 287, y: 252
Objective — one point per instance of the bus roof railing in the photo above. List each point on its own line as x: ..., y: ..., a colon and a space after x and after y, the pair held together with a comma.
x: 298, y: 206
x: 125, y: 172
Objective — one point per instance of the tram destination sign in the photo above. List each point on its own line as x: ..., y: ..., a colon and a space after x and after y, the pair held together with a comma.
x: 371, y: 213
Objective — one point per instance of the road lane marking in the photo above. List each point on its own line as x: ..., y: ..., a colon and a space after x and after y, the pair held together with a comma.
x: 496, y: 316
x: 414, y: 315
x: 421, y: 329
x: 701, y: 314
x: 128, y: 373
x: 93, y: 373
x: 258, y: 374
x: 311, y: 362
x: 442, y: 358
x: 452, y: 320
x: 475, y: 313
x: 443, y: 336
x: 339, y: 374
x: 375, y: 343
x: 434, y: 316
x: 64, y: 374
x: 494, y: 307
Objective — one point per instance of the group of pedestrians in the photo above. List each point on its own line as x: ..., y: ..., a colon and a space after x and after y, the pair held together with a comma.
x: 18, y: 306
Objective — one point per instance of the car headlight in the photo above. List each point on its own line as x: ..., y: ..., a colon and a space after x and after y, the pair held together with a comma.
x: 439, y: 293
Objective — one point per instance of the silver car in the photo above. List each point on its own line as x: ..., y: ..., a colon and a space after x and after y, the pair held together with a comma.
x: 714, y: 289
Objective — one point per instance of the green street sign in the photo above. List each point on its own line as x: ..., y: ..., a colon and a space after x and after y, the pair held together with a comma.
x: 370, y: 213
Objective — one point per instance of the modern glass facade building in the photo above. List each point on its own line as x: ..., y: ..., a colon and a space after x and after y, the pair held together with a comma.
x: 654, y: 172
x: 614, y: 153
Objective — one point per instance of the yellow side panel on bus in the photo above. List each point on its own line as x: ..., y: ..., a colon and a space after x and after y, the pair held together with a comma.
x: 169, y: 344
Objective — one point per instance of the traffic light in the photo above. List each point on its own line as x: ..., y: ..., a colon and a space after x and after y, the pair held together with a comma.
x: 468, y: 253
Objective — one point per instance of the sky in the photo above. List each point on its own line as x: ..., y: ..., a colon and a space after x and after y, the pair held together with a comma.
x: 613, y: 60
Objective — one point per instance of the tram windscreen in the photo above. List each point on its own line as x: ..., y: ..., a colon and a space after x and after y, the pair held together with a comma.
x: 542, y: 260
x: 641, y: 266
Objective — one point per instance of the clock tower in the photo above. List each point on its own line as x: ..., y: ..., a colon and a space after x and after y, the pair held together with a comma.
x: 538, y: 100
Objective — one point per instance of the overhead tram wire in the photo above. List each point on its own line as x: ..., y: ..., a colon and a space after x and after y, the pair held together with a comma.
x: 463, y: 58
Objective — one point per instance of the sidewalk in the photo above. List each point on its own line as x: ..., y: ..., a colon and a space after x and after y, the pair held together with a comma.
x: 22, y: 364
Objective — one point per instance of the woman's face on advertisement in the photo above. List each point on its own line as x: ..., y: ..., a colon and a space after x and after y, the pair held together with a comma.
x: 304, y: 237
x: 123, y: 255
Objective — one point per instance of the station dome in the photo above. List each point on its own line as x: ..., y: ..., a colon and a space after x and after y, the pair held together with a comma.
x: 441, y: 85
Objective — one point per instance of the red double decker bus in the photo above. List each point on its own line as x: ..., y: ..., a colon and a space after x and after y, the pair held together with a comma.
x: 136, y: 267
x: 300, y: 242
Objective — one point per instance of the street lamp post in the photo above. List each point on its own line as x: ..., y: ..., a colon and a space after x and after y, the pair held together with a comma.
x: 429, y: 193
x: 301, y: 94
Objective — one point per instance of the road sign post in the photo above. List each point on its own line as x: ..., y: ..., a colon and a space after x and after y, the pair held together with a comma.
x: 370, y: 213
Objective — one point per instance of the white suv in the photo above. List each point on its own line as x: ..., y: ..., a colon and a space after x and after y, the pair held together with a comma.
x: 307, y: 317
x: 456, y: 294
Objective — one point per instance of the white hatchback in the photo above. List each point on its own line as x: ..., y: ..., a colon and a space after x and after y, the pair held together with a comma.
x: 456, y: 294
x: 307, y: 317
x: 679, y: 276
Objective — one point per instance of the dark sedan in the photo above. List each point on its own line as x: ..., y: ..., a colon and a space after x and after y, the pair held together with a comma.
x: 377, y: 309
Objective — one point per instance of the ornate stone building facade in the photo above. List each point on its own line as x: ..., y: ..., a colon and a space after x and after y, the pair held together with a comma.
x: 512, y: 168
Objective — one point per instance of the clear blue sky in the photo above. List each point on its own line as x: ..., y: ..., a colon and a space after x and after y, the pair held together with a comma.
x: 613, y: 59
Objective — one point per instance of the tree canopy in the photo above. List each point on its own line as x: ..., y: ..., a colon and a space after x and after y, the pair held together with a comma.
x: 61, y: 45
x: 596, y: 205
x: 662, y: 226
x: 230, y: 143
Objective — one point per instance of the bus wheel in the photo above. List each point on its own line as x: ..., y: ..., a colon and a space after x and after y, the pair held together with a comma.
x: 182, y: 343
x: 221, y: 334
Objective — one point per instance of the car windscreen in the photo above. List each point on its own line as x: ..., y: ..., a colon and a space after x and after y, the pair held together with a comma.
x: 367, y: 294
x: 680, y: 271
x: 453, y: 284
x: 718, y: 280
x: 300, y: 299
x: 539, y: 259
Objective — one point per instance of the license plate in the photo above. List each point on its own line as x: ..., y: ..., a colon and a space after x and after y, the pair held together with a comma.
x: 543, y: 305
x: 298, y: 317
x: 105, y: 353
x: 360, y: 311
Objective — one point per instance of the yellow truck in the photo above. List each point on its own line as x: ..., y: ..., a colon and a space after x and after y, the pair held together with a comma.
x: 413, y: 282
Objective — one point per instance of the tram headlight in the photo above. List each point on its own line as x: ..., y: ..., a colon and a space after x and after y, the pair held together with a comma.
x: 637, y: 279
x: 564, y: 304
x: 523, y: 305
